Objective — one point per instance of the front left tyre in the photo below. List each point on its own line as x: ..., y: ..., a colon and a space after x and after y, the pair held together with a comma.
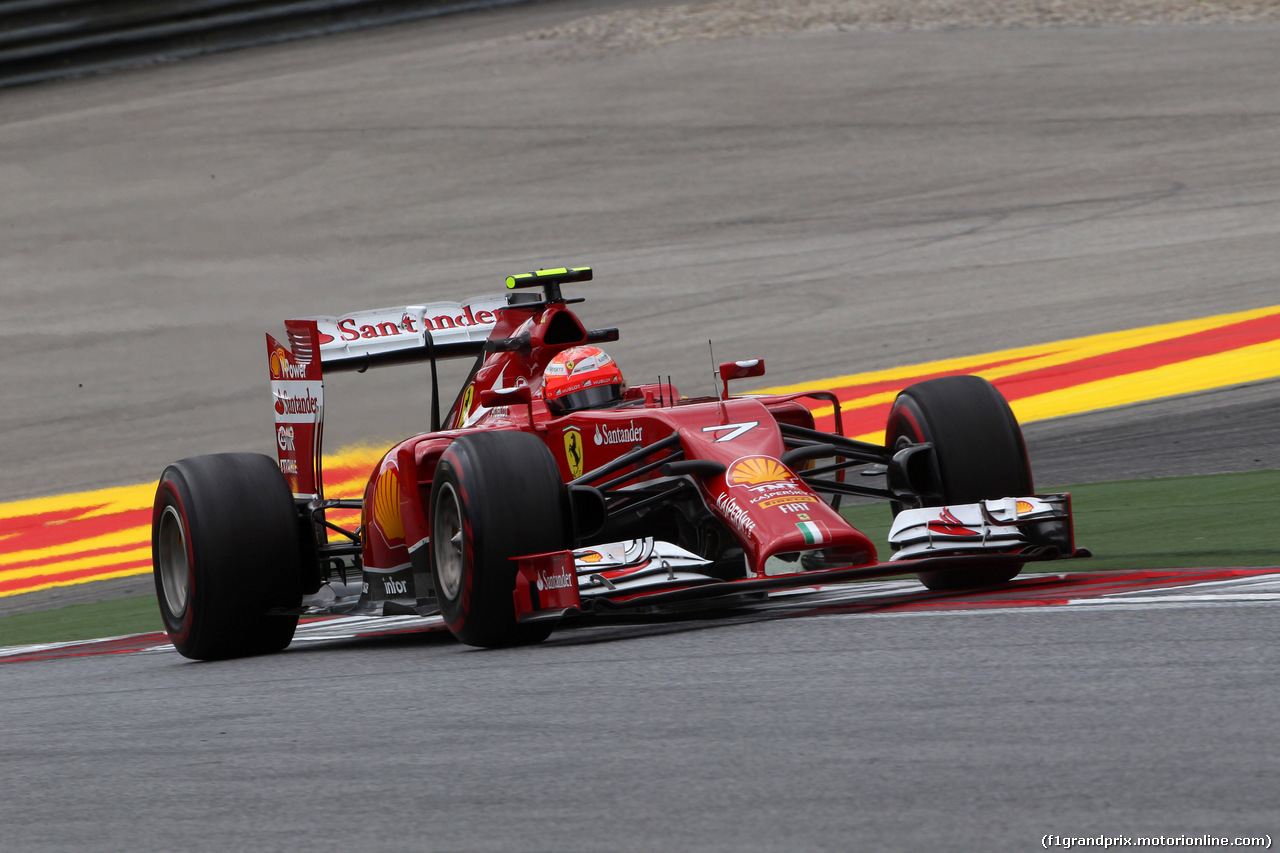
x: 494, y: 496
x: 225, y: 552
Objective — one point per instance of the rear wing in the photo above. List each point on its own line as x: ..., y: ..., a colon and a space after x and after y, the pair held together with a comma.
x: 364, y: 339
x: 356, y: 342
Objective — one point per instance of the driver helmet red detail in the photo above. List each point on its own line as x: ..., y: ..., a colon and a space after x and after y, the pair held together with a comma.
x: 583, y: 377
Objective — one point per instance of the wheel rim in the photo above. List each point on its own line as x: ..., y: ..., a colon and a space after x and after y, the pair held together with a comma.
x: 175, y: 565
x: 447, y: 542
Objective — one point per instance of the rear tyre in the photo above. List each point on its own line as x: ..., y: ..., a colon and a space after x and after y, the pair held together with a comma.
x: 494, y: 496
x: 978, y: 448
x: 225, y: 551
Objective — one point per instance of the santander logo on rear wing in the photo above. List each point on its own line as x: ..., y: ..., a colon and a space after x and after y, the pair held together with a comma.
x: 356, y: 341
x: 352, y: 337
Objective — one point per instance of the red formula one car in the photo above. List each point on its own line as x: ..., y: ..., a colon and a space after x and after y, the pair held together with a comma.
x: 550, y: 490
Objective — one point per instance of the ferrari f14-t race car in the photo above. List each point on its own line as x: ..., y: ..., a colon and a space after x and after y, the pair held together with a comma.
x: 550, y: 490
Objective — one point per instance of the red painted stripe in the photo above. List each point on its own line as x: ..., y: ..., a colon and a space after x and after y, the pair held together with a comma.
x: 76, y: 576
x: 861, y: 421
x: 79, y: 555
x: 1137, y: 359
x: 1146, y: 577
x: 1123, y: 362
x: 350, y: 472
x: 892, y: 385
x: 978, y: 605
x: 19, y: 523
x: 49, y: 530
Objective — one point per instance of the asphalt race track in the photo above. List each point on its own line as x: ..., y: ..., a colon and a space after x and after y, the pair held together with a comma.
x: 830, y: 202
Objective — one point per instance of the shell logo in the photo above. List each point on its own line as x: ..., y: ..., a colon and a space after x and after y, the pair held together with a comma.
x: 279, y: 358
x: 386, y: 505
x: 1024, y: 508
x: 756, y: 471
x: 589, y: 556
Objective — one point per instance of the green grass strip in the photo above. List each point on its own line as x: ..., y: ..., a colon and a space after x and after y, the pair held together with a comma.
x: 137, y: 615
x: 1169, y: 523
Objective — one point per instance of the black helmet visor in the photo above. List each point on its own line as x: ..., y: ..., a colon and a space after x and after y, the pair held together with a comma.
x: 587, y: 398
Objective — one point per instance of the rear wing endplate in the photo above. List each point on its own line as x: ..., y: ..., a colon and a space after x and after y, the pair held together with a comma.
x: 297, y: 390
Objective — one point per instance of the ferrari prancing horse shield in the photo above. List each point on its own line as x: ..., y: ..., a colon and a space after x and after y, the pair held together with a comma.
x: 573, y: 450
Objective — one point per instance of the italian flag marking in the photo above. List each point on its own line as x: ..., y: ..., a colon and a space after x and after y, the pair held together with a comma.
x: 813, y: 534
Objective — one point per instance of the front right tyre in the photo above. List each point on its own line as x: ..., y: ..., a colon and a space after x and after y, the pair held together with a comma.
x: 979, y: 454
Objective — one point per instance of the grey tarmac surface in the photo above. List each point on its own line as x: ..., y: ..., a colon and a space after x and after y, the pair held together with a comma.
x: 1215, y: 432
x: 831, y: 202
x: 970, y: 731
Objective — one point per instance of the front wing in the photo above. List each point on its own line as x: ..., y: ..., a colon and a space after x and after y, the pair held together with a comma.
x: 644, y: 575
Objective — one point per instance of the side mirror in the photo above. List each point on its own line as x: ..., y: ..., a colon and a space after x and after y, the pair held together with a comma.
x: 740, y: 370
x: 520, y: 395
x: 516, y: 396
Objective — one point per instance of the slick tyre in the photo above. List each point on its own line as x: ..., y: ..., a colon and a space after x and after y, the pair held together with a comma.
x: 494, y: 496
x: 225, y: 551
x: 978, y: 448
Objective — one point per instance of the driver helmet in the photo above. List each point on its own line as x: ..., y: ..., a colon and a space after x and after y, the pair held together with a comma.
x: 583, y: 377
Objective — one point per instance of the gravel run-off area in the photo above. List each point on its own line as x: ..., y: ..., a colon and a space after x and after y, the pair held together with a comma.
x: 651, y: 27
